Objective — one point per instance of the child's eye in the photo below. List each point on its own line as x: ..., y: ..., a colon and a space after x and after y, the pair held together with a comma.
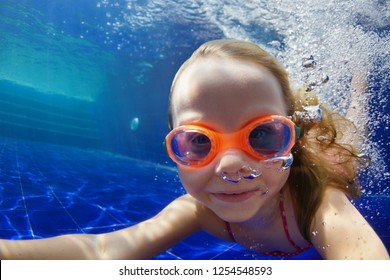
x: 260, y: 132
x: 199, y: 146
x: 200, y: 139
x: 262, y: 138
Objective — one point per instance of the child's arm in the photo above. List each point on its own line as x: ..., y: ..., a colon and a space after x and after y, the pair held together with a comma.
x: 142, y: 241
x: 341, y: 232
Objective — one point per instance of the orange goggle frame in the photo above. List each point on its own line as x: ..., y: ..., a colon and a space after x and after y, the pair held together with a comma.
x: 263, y: 138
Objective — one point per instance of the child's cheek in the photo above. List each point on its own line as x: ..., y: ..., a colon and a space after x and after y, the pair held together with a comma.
x: 195, y: 180
x: 275, y: 179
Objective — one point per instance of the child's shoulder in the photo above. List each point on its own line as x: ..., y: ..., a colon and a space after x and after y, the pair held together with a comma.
x: 339, y: 230
x: 335, y: 205
x: 334, y: 199
x: 188, y: 206
x: 205, y: 217
x: 192, y: 211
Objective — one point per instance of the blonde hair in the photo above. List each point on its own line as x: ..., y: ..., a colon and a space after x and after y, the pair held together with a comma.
x: 310, y: 174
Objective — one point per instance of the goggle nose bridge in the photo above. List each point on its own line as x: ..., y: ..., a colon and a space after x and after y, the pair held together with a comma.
x: 234, y: 140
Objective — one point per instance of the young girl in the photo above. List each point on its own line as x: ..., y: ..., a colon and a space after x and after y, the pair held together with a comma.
x: 262, y: 167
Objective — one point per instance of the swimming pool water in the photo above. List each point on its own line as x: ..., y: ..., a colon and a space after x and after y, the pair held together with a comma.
x: 75, y: 75
x: 48, y: 190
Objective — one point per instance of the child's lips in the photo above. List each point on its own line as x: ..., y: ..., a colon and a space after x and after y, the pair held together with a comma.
x: 238, y: 196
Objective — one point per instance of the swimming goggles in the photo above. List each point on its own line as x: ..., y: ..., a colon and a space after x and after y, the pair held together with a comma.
x: 263, y: 138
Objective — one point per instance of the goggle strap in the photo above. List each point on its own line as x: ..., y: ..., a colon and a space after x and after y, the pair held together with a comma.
x: 164, y: 144
x: 297, y: 132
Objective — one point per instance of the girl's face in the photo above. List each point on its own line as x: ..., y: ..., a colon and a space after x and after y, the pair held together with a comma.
x: 225, y: 94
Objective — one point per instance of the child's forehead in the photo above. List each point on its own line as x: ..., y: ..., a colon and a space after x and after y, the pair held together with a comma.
x: 212, y: 87
x: 217, y: 74
x: 216, y: 66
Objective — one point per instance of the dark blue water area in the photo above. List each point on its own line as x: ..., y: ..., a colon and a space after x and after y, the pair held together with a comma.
x: 48, y: 190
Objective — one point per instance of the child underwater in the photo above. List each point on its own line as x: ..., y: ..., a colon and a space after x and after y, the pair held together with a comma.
x: 268, y: 169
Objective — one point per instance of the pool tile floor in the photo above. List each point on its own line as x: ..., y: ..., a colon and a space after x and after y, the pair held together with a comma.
x: 48, y: 190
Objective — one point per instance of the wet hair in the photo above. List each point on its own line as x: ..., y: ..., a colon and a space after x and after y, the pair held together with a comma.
x: 320, y: 160
x: 326, y: 155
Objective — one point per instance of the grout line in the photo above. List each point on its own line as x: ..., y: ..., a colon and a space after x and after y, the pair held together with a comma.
x: 226, y: 250
x: 63, y: 207
x: 57, y: 198
x: 103, y: 209
x: 22, y: 191
x: 173, y: 255
x: 59, y: 201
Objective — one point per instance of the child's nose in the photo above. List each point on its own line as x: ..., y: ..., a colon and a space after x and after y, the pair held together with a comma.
x: 231, y: 161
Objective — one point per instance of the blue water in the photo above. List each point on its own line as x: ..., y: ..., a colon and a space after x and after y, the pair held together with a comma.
x: 74, y: 77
